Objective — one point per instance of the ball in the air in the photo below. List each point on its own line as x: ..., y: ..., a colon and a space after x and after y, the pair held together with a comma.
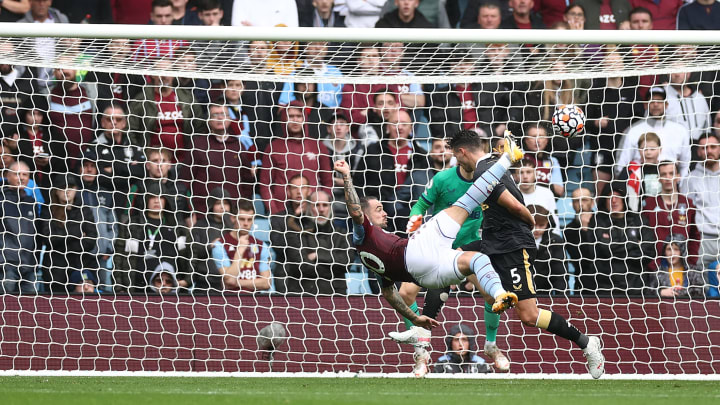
x: 568, y: 120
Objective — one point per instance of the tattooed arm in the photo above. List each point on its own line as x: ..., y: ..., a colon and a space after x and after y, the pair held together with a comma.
x: 352, y: 201
x: 393, y: 297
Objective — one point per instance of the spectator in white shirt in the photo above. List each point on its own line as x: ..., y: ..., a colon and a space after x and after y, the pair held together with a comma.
x: 687, y: 105
x: 675, y: 139
x: 704, y: 190
x: 266, y: 13
x: 534, y: 195
x: 360, y: 13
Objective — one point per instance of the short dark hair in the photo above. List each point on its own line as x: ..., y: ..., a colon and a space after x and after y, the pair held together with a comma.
x: 572, y: 6
x: 640, y: 10
x: 160, y: 3
x: 245, y: 205
x: 365, y: 201
x: 537, y: 124
x: 707, y: 135
x: 206, y: 5
x: 490, y: 4
x: 465, y: 139
x: 528, y: 162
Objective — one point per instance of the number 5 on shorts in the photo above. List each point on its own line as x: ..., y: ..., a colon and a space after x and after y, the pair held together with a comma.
x: 516, y: 279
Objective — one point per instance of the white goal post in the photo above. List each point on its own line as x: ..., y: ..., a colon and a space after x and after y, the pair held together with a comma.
x: 191, y: 117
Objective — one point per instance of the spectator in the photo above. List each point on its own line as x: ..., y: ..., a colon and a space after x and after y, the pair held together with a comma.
x: 157, y: 49
x: 116, y: 88
x: 699, y: 15
x: 210, y: 12
x: 162, y: 113
x: 663, y: 13
x: 675, y: 276
x: 643, y: 177
x: 672, y: 213
x: 405, y: 16
x: 612, y: 105
x: 41, y: 12
x: 14, y: 88
x: 674, y: 138
x: 271, y: 13
x: 620, y: 244
x: 341, y: 146
x: 159, y: 169
x: 33, y: 141
x: 550, y: 270
x: 384, y: 104
x: 242, y: 260
x: 83, y: 282
x: 538, y: 147
x: 322, y: 15
x: 582, y: 201
x: 315, y: 114
x: 534, y: 195
x: 434, y: 11
x: 88, y: 11
x: 642, y: 19
x: 362, y: 13
x: 163, y: 280
x: 284, y: 57
x: 393, y: 63
x: 314, y: 60
x: 131, y: 11
x: 522, y: 16
x: 222, y: 159
x: 260, y: 98
x: 13, y: 10
x: 215, y: 52
x: 284, y: 224
x: 686, y: 105
x: 19, y: 225
x: 574, y: 16
x: 100, y: 200
x: 292, y: 154
x: 704, y: 191
x: 388, y: 163
x: 321, y: 261
x: 552, y: 11
x: 207, y: 230
x: 71, y: 116
x: 357, y: 98
x: 232, y: 100
x: 151, y: 244
x: 606, y: 14
x: 182, y: 14
x: 72, y: 237
x: 460, y: 356
x: 487, y: 14
x: 119, y: 162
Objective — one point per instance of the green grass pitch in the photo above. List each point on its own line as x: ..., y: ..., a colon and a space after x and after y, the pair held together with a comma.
x: 321, y: 391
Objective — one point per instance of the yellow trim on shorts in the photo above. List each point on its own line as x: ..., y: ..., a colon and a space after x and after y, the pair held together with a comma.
x: 528, y: 275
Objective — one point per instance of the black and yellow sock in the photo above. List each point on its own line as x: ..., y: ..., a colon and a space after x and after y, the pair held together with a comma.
x: 558, y: 325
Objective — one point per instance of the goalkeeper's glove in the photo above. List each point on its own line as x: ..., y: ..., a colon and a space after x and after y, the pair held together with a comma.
x: 414, y: 223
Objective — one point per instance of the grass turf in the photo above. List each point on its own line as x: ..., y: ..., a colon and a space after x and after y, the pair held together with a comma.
x: 320, y: 391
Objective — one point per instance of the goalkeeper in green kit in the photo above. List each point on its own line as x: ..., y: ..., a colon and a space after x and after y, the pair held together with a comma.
x: 441, y: 192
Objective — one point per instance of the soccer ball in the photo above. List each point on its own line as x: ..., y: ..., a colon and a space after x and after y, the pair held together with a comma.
x: 568, y: 120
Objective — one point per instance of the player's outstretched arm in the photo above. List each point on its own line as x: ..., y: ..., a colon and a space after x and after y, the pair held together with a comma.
x: 393, y: 297
x: 352, y: 201
x: 515, y: 208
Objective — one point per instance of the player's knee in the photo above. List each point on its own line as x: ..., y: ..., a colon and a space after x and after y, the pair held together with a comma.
x: 528, y: 316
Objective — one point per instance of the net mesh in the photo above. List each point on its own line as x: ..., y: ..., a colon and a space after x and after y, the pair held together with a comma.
x: 170, y: 205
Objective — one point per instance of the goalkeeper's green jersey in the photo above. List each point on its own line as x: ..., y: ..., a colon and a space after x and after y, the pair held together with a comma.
x: 443, y: 190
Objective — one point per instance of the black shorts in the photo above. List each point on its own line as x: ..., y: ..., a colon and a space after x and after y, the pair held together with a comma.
x: 515, y: 269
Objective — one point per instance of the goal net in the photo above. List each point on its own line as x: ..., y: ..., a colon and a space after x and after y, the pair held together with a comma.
x: 170, y: 204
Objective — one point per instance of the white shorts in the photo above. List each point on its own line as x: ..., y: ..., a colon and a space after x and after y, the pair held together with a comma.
x: 430, y: 258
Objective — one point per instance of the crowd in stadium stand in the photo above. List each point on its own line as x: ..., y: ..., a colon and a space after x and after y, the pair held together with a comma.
x: 117, y: 183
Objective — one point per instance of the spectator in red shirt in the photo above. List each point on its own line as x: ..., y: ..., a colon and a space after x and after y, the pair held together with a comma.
x: 242, y: 260
x: 357, y: 98
x: 293, y: 154
x: 71, y: 115
x: 522, y: 16
x: 664, y: 12
x: 222, y: 158
x: 606, y: 14
x: 671, y: 212
x: 161, y: 13
x: 550, y: 10
x: 161, y: 114
x: 131, y: 11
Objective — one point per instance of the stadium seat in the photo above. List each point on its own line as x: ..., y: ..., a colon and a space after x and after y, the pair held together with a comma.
x: 357, y: 283
x: 259, y: 206
x: 565, y: 211
x: 261, y: 229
